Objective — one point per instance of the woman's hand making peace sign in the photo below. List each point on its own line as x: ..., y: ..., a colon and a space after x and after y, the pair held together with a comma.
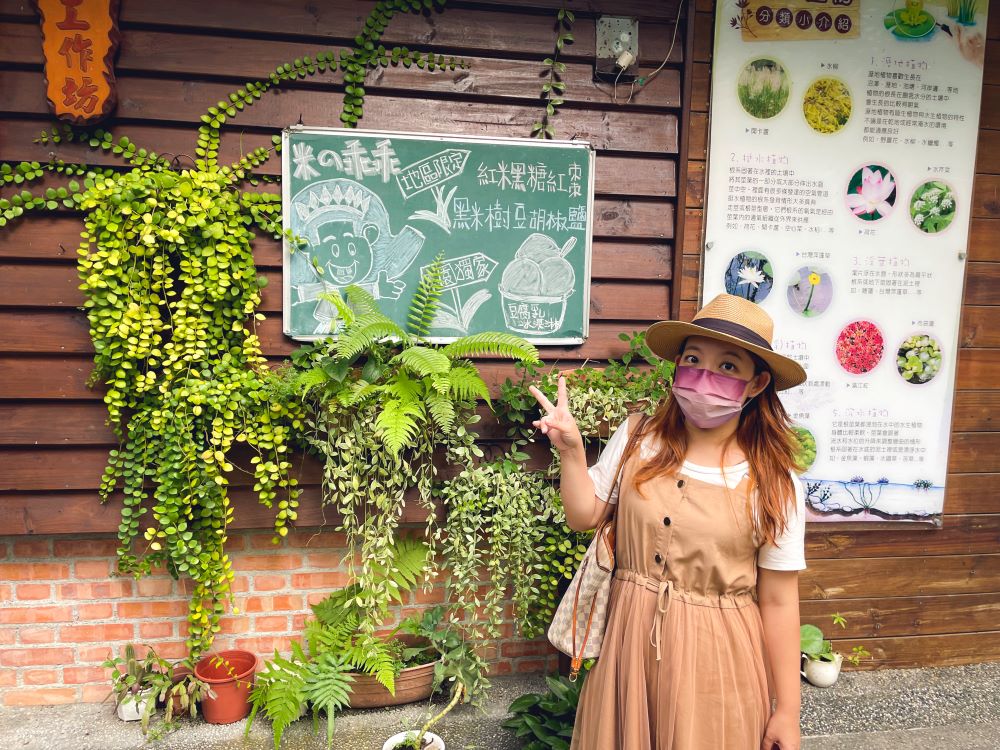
x: 557, y: 422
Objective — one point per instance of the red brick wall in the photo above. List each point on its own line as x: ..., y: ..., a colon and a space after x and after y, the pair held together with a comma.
x: 62, y: 612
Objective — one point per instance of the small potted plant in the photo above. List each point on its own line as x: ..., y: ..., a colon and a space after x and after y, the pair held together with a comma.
x: 185, y: 691
x: 821, y: 664
x: 460, y: 666
x: 136, y: 682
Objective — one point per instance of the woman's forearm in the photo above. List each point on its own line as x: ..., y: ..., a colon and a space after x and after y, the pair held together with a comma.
x: 582, y: 507
x: 781, y: 635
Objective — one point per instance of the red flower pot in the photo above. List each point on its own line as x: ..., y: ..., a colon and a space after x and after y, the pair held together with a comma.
x: 231, y: 679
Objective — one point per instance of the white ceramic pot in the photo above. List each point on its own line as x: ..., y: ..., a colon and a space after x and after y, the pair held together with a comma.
x: 436, y: 743
x: 132, y: 708
x: 822, y: 673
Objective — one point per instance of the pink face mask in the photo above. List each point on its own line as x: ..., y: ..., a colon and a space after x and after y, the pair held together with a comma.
x: 707, y: 398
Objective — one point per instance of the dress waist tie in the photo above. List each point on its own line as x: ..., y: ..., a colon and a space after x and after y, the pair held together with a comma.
x: 664, y: 594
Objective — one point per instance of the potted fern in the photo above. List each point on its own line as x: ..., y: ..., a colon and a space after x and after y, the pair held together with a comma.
x: 340, y: 667
x: 383, y: 403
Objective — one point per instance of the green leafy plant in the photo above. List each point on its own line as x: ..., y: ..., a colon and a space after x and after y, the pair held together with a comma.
x: 497, y: 515
x: 461, y: 667
x: 171, y: 295
x: 319, y: 676
x: 932, y: 207
x: 544, y: 721
x: 815, y: 647
x: 139, y: 680
x: 553, y: 89
x: 380, y: 401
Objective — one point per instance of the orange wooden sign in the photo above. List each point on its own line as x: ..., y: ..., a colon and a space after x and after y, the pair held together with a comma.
x: 79, y: 42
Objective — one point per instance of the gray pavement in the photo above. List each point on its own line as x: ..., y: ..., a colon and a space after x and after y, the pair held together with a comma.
x: 951, y: 707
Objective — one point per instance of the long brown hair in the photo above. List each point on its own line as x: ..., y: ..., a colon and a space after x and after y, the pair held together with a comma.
x: 764, y: 434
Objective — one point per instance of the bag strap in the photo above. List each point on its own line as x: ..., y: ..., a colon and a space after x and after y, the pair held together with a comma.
x: 576, y: 662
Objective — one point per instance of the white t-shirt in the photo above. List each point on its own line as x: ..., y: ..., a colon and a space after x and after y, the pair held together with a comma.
x: 789, y: 551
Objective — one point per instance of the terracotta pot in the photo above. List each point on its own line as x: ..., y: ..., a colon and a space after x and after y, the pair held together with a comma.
x: 231, y: 681
x: 413, y: 684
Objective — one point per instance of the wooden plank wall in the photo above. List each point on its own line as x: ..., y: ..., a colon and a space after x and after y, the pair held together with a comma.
x: 921, y: 597
x: 178, y: 58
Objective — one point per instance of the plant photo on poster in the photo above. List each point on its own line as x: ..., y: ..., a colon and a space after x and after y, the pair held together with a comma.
x: 918, y: 359
x: 827, y: 105
x: 810, y: 291
x: 749, y: 275
x: 932, y: 207
x: 871, y: 193
x: 763, y: 88
x: 860, y: 346
x: 806, y: 455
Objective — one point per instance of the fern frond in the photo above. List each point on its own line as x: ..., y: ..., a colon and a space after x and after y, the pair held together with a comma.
x: 403, y: 387
x: 306, y: 381
x: 375, y: 657
x: 466, y: 384
x: 409, y: 562
x: 361, y: 300
x: 423, y: 360
x: 365, y: 331
x: 425, y: 299
x: 328, y: 688
x: 442, y: 409
x: 344, y: 311
x: 280, y: 691
x: 356, y: 392
x: 491, y: 342
x: 397, y: 424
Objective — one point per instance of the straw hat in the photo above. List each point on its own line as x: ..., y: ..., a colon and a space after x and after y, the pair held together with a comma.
x: 733, y: 319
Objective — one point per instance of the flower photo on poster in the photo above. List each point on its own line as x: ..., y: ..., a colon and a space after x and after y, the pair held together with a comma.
x: 871, y: 193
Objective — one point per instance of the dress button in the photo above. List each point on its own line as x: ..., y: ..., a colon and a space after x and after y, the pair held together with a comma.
x: 658, y: 557
x: 680, y: 482
x: 666, y: 520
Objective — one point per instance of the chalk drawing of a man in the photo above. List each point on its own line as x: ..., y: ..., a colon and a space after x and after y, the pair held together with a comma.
x: 349, y: 242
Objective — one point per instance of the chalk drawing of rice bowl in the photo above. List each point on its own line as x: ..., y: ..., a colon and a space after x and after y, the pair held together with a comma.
x: 536, y: 284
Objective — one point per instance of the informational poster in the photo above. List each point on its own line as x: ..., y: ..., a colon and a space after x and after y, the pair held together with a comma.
x: 843, y: 144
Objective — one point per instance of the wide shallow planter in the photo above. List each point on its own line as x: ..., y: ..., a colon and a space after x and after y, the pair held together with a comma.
x: 822, y: 673
x: 413, y: 684
x: 231, y: 681
x: 132, y: 708
x: 431, y: 741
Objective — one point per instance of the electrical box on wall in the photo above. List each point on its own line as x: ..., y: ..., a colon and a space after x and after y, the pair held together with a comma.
x: 617, y: 49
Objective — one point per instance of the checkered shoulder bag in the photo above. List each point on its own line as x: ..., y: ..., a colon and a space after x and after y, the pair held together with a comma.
x: 578, y: 625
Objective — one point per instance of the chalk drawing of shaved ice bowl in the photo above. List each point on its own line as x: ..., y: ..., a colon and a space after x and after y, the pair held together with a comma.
x: 536, y: 284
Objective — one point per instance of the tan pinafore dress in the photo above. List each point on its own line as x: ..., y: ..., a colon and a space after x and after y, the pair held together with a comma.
x: 682, y: 666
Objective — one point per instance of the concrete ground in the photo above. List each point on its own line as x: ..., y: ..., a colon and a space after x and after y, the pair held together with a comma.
x: 952, y: 707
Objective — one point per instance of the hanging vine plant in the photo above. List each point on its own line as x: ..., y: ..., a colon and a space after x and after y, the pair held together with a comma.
x: 171, y: 296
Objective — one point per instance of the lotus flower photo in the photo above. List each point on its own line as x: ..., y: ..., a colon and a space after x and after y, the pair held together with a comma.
x: 871, y: 193
x: 860, y: 346
x: 749, y: 275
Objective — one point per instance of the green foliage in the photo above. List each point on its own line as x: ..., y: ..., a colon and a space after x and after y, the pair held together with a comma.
x: 554, y: 89
x: 814, y: 646
x: 380, y: 400
x: 497, y: 518
x: 147, y: 680
x: 286, y: 687
x: 461, y: 667
x: 544, y: 721
x: 171, y: 292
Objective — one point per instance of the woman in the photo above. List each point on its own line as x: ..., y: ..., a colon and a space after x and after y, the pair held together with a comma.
x: 701, y: 650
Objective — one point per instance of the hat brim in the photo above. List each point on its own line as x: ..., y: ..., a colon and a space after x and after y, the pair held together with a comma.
x: 666, y: 338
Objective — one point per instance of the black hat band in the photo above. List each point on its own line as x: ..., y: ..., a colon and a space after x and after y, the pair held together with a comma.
x: 730, y: 328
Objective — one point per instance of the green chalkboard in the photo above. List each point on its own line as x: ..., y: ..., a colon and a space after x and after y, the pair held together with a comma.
x: 512, y: 217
